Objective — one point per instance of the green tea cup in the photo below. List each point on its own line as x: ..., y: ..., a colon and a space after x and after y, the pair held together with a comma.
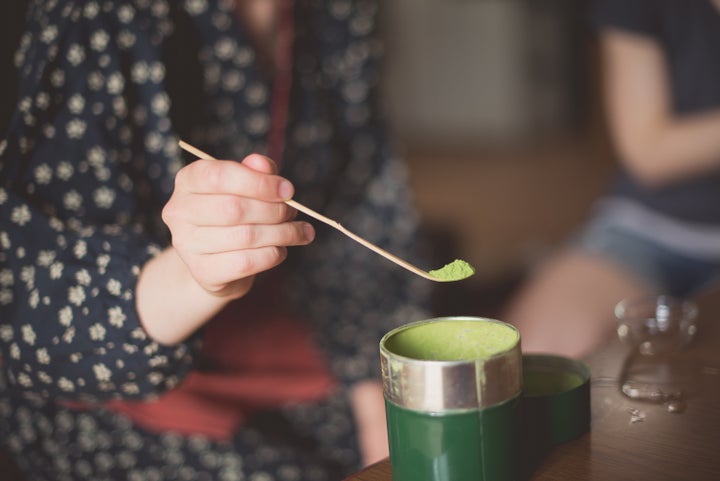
x: 452, y: 389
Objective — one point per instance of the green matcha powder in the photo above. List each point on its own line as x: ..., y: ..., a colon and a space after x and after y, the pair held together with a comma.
x: 455, y: 271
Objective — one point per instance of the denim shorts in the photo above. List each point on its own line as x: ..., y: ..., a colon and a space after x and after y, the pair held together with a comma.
x: 646, y: 251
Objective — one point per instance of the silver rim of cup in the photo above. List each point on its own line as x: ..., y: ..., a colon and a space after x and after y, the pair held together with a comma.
x: 442, y: 386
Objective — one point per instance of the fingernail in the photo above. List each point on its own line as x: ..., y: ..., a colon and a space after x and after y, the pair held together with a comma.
x: 285, y: 190
x: 309, y: 231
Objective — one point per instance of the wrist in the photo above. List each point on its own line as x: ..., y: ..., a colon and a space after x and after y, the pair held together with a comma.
x: 170, y: 303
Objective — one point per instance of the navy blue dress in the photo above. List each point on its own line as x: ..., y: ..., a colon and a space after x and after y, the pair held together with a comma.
x: 105, y: 90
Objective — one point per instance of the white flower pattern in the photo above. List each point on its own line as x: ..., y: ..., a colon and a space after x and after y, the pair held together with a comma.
x: 94, y: 155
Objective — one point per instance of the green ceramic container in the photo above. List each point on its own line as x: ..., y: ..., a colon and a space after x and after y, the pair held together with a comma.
x: 453, y: 397
x: 556, y: 404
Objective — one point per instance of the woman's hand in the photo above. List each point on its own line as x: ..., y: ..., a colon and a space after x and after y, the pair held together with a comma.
x: 228, y: 222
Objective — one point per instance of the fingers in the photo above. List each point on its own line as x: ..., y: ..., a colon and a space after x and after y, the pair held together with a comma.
x: 225, y: 210
x: 217, y: 192
x: 228, y: 221
x: 218, y: 273
x: 221, y: 240
x: 253, y: 178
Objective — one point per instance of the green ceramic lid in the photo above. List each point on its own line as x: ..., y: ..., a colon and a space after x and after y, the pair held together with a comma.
x: 556, y: 402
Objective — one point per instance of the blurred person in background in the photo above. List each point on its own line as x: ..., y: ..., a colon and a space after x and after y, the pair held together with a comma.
x: 657, y: 230
x: 206, y: 347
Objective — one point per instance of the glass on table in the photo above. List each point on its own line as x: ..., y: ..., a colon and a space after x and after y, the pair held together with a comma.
x: 656, y: 324
x: 657, y: 328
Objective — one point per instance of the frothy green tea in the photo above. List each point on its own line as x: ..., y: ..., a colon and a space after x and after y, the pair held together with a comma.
x: 453, y: 341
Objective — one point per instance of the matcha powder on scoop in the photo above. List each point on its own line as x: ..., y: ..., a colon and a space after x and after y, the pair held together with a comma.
x: 454, y: 271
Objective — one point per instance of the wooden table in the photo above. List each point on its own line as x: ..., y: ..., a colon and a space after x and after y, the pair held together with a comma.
x: 635, y: 440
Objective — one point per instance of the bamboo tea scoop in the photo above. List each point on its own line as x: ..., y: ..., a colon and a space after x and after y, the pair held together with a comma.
x: 454, y: 271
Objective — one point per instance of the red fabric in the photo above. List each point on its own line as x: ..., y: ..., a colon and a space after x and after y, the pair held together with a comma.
x: 282, y: 81
x: 255, y: 362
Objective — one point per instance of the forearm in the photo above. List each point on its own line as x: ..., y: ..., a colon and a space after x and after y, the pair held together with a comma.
x: 673, y: 148
x: 368, y: 406
x: 170, y: 303
x: 656, y: 143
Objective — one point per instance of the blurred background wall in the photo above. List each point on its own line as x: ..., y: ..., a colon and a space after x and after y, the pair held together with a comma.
x: 465, y: 71
x: 496, y: 106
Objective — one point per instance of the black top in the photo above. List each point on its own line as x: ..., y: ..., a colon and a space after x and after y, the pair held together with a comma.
x: 689, y: 33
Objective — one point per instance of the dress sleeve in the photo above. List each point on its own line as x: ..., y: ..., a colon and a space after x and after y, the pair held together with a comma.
x: 83, y: 171
x: 69, y: 324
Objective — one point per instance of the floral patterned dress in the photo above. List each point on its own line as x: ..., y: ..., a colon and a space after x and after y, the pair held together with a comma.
x: 105, y: 90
